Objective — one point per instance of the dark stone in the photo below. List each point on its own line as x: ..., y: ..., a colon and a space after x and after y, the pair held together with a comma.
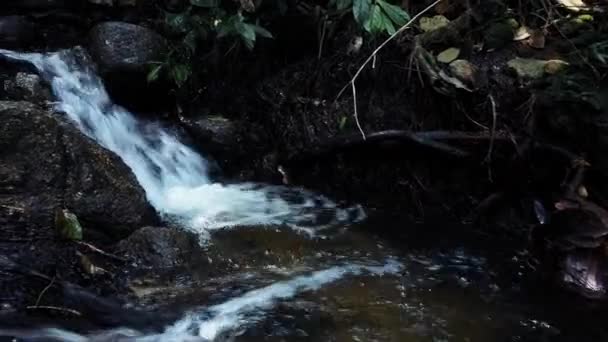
x: 27, y: 87
x: 119, y: 46
x: 47, y: 164
x: 161, y: 247
x: 16, y: 31
x: 232, y: 144
x: 35, y: 4
x: 123, y: 53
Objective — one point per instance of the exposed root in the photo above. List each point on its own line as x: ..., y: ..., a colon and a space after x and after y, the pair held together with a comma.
x: 55, y: 308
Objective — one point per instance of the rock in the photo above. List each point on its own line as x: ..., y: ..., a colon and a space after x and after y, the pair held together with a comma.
x: 16, y: 31
x: 118, y: 46
x: 47, y: 164
x: 224, y: 139
x: 118, y: 3
x: 33, y: 4
x: 27, y: 87
x: 124, y: 53
x: 161, y: 247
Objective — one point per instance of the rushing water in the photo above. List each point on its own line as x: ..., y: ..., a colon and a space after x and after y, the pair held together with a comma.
x: 174, y: 176
x: 281, y: 285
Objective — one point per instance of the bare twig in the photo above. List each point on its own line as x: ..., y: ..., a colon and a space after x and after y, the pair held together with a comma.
x: 54, y: 308
x: 373, y: 56
x: 493, y: 132
x: 44, y: 290
x: 97, y: 250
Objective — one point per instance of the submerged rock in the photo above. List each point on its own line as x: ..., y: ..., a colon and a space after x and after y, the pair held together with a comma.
x: 160, y: 247
x: 47, y: 164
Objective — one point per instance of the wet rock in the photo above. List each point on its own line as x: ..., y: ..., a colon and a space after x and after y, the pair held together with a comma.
x: 47, y: 164
x: 118, y: 46
x: 16, y: 31
x: 33, y: 4
x: 123, y: 53
x: 27, y: 87
x: 224, y: 138
x: 161, y: 247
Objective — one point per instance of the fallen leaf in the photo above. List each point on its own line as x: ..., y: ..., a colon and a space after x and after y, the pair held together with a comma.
x: 582, y: 191
x: 67, y: 225
x: 573, y: 5
x: 523, y: 32
x: 442, y: 7
x: 528, y: 67
x: 537, y: 39
x: 433, y: 23
x: 448, y: 55
x: 89, y: 267
x: 463, y: 70
x: 554, y: 66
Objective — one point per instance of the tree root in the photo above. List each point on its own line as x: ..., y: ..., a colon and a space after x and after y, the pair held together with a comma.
x: 436, y: 140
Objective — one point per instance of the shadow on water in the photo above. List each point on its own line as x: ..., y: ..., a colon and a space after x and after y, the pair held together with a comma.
x: 457, y: 284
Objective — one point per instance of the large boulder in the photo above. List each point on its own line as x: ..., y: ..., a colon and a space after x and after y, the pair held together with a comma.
x: 124, y: 53
x: 47, y: 164
x: 16, y: 31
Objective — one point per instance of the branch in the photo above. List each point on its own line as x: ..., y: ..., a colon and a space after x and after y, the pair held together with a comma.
x: 373, y: 56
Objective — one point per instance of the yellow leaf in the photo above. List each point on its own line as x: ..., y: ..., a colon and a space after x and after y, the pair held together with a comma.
x: 448, y: 55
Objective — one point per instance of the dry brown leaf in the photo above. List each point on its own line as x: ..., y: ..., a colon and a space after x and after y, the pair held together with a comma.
x: 442, y: 7
x: 537, y: 39
x: 523, y: 32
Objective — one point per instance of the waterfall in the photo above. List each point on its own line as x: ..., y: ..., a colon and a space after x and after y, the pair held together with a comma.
x: 174, y: 176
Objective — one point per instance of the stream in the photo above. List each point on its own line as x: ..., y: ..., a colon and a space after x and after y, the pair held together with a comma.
x: 298, y: 266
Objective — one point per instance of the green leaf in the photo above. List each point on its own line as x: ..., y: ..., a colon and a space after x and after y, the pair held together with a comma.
x: 343, y: 4
x: 247, y: 33
x: 342, y: 122
x: 388, y: 26
x: 361, y: 10
x: 191, y: 40
x: 153, y: 74
x: 262, y: 32
x: 67, y: 225
x: 397, y: 15
x: 179, y: 22
x: 180, y: 73
x: 205, y: 3
x: 448, y: 55
x: 228, y: 27
x: 375, y: 24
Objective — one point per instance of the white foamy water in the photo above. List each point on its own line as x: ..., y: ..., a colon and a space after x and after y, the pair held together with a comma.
x: 223, y: 319
x: 174, y: 176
